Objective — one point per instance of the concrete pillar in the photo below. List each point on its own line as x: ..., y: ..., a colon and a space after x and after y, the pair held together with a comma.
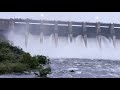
x: 56, y: 33
x: 3, y: 24
x: 98, y: 30
x: 41, y: 31
x: 26, y: 32
x: 0, y: 24
x: 70, y: 31
x: 84, y: 33
x: 11, y: 24
x: 112, y: 32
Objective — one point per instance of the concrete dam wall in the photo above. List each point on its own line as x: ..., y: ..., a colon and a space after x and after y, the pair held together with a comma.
x: 70, y: 29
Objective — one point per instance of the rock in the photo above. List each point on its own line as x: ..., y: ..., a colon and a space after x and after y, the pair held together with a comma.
x: 37, y: 73
x: 72, y: 71
x: 75, y: 69
x: 26, y: 72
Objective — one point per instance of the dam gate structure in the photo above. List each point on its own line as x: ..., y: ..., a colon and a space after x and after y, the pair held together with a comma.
x: 56, y: 28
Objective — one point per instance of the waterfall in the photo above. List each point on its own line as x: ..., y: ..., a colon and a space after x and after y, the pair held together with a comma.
x: 67, y: 49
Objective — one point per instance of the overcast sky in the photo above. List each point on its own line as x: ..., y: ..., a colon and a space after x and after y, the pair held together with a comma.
x: 113, y: 17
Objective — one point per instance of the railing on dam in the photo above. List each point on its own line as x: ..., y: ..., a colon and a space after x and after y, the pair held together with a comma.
x: 64, y: 28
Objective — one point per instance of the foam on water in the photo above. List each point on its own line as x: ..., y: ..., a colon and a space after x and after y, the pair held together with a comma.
x: 67, y: 49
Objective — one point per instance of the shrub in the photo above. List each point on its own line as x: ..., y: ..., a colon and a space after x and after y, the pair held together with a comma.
x: 42, y: 59
x: 3, y: 68
x: 12, y: 67
x: 27, y: 59
x: 14, y: 59
x: 18, y: 67
x: 13, y: 49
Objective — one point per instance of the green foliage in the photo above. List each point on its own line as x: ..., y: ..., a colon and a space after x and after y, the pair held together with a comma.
x: 14, y: 59
x: 6, y: 68
x: 42, y: 59
x: 13, y: 49
x: 6, y: 54
x: 3, y: 69
x: 31, y: 61
x: 18, y: 67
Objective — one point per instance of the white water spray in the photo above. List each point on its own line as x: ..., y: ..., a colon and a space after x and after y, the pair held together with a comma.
x: 67, y: 49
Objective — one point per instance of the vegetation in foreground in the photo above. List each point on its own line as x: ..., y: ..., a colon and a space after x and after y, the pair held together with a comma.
x: 14, y: 60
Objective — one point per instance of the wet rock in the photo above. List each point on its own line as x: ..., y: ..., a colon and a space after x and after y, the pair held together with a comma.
x: 26, y: 73
x: 72, y: 71
x: 37, y: 73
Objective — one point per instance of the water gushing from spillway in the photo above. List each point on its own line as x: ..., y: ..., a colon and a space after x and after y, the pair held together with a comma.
x: 65, y: 48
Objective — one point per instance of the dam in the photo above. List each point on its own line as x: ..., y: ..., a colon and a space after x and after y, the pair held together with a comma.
x: 68, y: 29
x: 64, y: 39
x: 89, y: 49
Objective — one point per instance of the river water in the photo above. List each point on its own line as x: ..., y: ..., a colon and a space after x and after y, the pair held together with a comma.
x: 84, y: 68
x: 78, y: 68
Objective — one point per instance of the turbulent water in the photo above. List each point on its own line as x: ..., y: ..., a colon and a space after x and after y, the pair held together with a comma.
x: 73, y: 59
x: 84, y: 68
x: 78, y: 68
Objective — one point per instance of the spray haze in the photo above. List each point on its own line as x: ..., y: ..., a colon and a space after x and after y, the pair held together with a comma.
x: 65, y: 48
